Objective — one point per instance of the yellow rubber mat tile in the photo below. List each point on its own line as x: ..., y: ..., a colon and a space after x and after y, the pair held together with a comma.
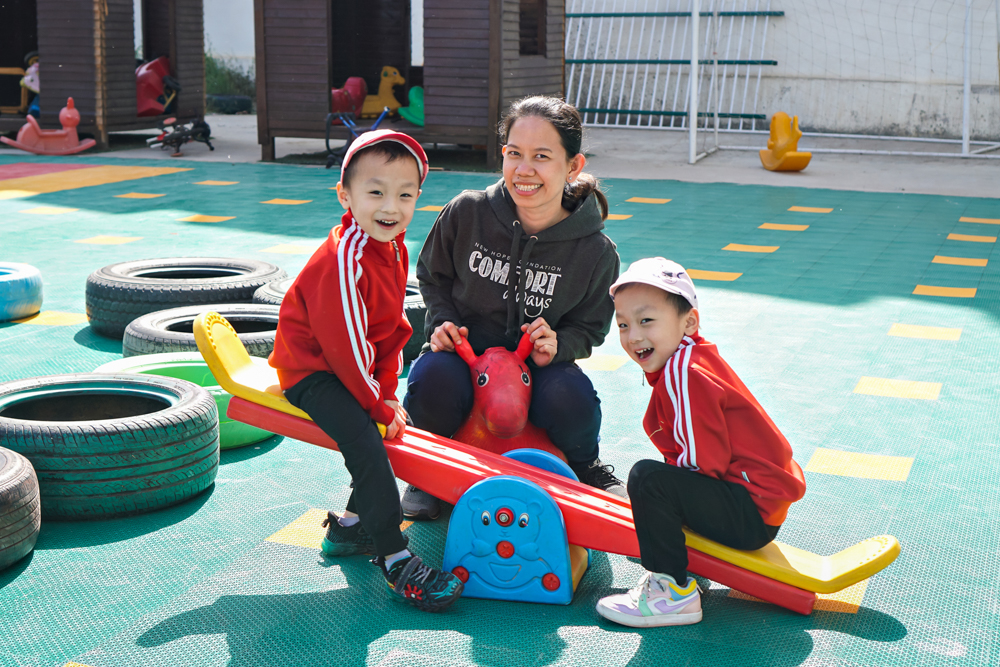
x: 958, y: 261
x: 216, y: 182
x: 292, y: 249
x: 846, y: 601
x: 109, y: 240
x: 17, y: 194
x: 933, y: 290
x: 49, y: 210
x: 972, y: 238
x: 784, y: 228
x: 287, y: 202
x: 84, y: 178
x: 139, y: 195
x: 809, y: 209
x: 54, y: 318
x: 864, y: 466
x: 927, y: 391
x: 427, y: 208
x: 647, y: 200
x: 602, y: 362
x: 928, y: 333
x: 75, y: 664
x: 307, y: 531
x: 618, y: 216
x: 722, y: 276
x: 739, y: 247
x: 206, y: 218
x: 982, y: 221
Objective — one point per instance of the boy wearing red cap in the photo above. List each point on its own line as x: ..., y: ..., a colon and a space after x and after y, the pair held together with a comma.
x: 338, y: 353
x: 728, y: 472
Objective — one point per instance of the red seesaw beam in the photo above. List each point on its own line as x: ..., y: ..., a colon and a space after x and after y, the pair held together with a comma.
x: 594, y: 519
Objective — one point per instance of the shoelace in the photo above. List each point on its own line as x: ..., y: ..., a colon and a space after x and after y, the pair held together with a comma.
x: 602, y: 475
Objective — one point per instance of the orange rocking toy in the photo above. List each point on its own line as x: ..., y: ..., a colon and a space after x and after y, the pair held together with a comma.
x: 32, y: 138
x: 782, y: 152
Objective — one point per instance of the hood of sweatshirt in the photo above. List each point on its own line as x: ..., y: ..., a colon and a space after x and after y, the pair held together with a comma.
x: 583, y: 221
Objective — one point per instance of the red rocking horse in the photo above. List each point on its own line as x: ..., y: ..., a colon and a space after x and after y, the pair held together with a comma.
x: 501, y: 384
x: 32, y: 138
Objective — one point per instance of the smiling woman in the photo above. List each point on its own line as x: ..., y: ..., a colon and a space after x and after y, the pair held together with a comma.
x: 526, y: 255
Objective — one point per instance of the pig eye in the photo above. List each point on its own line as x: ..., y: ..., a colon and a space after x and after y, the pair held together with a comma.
x: 486, y: 518
x: 525, y: 379
x: 522, y: 520
x: 505, y: 517
x: 482, y: 379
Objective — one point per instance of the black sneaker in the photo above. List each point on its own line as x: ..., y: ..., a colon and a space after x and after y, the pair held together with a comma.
x: 600, y: 476
x: 419, y: 505
x: 351, y: 541
x: 424, y: 587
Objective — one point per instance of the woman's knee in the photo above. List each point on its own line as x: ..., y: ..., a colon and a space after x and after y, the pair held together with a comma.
x: 564, y: 394
x: 438, y: 392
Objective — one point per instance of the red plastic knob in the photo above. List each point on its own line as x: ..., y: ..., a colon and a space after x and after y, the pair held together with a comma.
x: 505, y: 549
x: 461, y: 573
x: 550, y: 581
x: 505, y: 516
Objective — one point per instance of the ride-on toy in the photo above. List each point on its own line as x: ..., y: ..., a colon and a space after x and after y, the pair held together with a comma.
x: 782, y: 152
x: 176, y: 134
x: 594, y: 519
x: 32, y: 138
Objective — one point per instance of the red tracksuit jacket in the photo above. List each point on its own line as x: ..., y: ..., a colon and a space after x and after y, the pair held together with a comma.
x: 344, y: 315
x: 702, y: 417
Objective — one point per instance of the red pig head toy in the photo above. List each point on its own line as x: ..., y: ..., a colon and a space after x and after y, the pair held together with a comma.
x: 501, y: 382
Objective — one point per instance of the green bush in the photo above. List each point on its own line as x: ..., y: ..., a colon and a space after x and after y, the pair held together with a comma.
x: 225, y: 77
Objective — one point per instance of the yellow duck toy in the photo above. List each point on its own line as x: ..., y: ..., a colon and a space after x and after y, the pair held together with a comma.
x: 375, y: 103
x: 781, y: 153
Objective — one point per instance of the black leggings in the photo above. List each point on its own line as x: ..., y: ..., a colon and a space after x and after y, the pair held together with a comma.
x: 375, y: 498
x: 665, y: 498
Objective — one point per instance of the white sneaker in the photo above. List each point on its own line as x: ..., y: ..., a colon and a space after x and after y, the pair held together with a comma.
x: 656, y: 601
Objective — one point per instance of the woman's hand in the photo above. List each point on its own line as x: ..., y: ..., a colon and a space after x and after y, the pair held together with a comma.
x: 398, y: 426
x: 544, y: 339
x: 446, y: 336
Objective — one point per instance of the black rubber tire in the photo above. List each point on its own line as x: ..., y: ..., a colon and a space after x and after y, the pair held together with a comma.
x: 119, y: 293
x: 173, y: 330
x: 20, y: 511
x: 20, y: 291
x: 273, y: 293
x: 416, y: 313
x: 107, y: 446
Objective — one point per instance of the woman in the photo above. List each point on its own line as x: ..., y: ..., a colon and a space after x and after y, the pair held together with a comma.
x: 526, y: 254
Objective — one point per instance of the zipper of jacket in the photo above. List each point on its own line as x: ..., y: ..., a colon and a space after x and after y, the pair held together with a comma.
x: 398, y: 267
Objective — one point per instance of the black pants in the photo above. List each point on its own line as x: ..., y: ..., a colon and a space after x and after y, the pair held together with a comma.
x: 665, y: 498
x: 375, y: 498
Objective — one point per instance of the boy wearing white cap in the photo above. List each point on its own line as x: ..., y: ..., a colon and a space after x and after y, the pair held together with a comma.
x: 338, y: 353
x: 728, y: 472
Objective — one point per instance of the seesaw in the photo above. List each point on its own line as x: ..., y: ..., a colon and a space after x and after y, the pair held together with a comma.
x: 778, y: 573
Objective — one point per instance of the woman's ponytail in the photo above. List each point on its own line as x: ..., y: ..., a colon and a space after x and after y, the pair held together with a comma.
x: 566, y: 119
x: 578, y: 190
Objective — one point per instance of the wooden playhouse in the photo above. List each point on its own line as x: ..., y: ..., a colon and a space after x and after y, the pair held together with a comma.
x: 479, y: 55
x: 86, y: 51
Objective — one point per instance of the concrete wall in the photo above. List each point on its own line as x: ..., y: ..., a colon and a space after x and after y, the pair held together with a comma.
x: 858, y: 66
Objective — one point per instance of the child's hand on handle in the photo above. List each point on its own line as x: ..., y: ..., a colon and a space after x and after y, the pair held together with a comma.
x: 446, y: 336
x: 544, y: 339
x: 398, y: 426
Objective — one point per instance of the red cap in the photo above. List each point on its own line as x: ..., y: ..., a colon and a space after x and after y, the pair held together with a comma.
x: 378, y: 136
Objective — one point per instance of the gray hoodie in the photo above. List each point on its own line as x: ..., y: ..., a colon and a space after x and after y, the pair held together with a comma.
x: 562, y: 274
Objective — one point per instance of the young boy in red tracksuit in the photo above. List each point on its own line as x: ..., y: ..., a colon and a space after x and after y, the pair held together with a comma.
x: 338, y: 353
x: 728, y: 472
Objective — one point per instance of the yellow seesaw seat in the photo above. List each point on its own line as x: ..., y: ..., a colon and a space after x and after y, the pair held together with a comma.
x: 234, y: 368
x: 236, y: 372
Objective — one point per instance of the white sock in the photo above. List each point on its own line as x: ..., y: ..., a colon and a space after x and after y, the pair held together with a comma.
x: 348, y: 519
x: 399, y: 555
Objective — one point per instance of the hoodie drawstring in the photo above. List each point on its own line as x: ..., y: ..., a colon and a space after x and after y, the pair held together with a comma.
x: 517, y: 287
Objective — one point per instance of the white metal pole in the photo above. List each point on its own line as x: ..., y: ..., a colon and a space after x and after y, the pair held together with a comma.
x: 997, y: 6
x: 967, y: 76
x: 693, y: 87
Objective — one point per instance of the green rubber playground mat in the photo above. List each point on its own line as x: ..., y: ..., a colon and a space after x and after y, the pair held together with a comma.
x: 867, y: 324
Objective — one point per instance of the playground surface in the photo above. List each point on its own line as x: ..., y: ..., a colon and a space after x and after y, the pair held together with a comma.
x: 866, y: 323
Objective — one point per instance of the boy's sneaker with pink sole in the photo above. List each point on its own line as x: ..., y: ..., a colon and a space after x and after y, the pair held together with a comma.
x: 656, y: 601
